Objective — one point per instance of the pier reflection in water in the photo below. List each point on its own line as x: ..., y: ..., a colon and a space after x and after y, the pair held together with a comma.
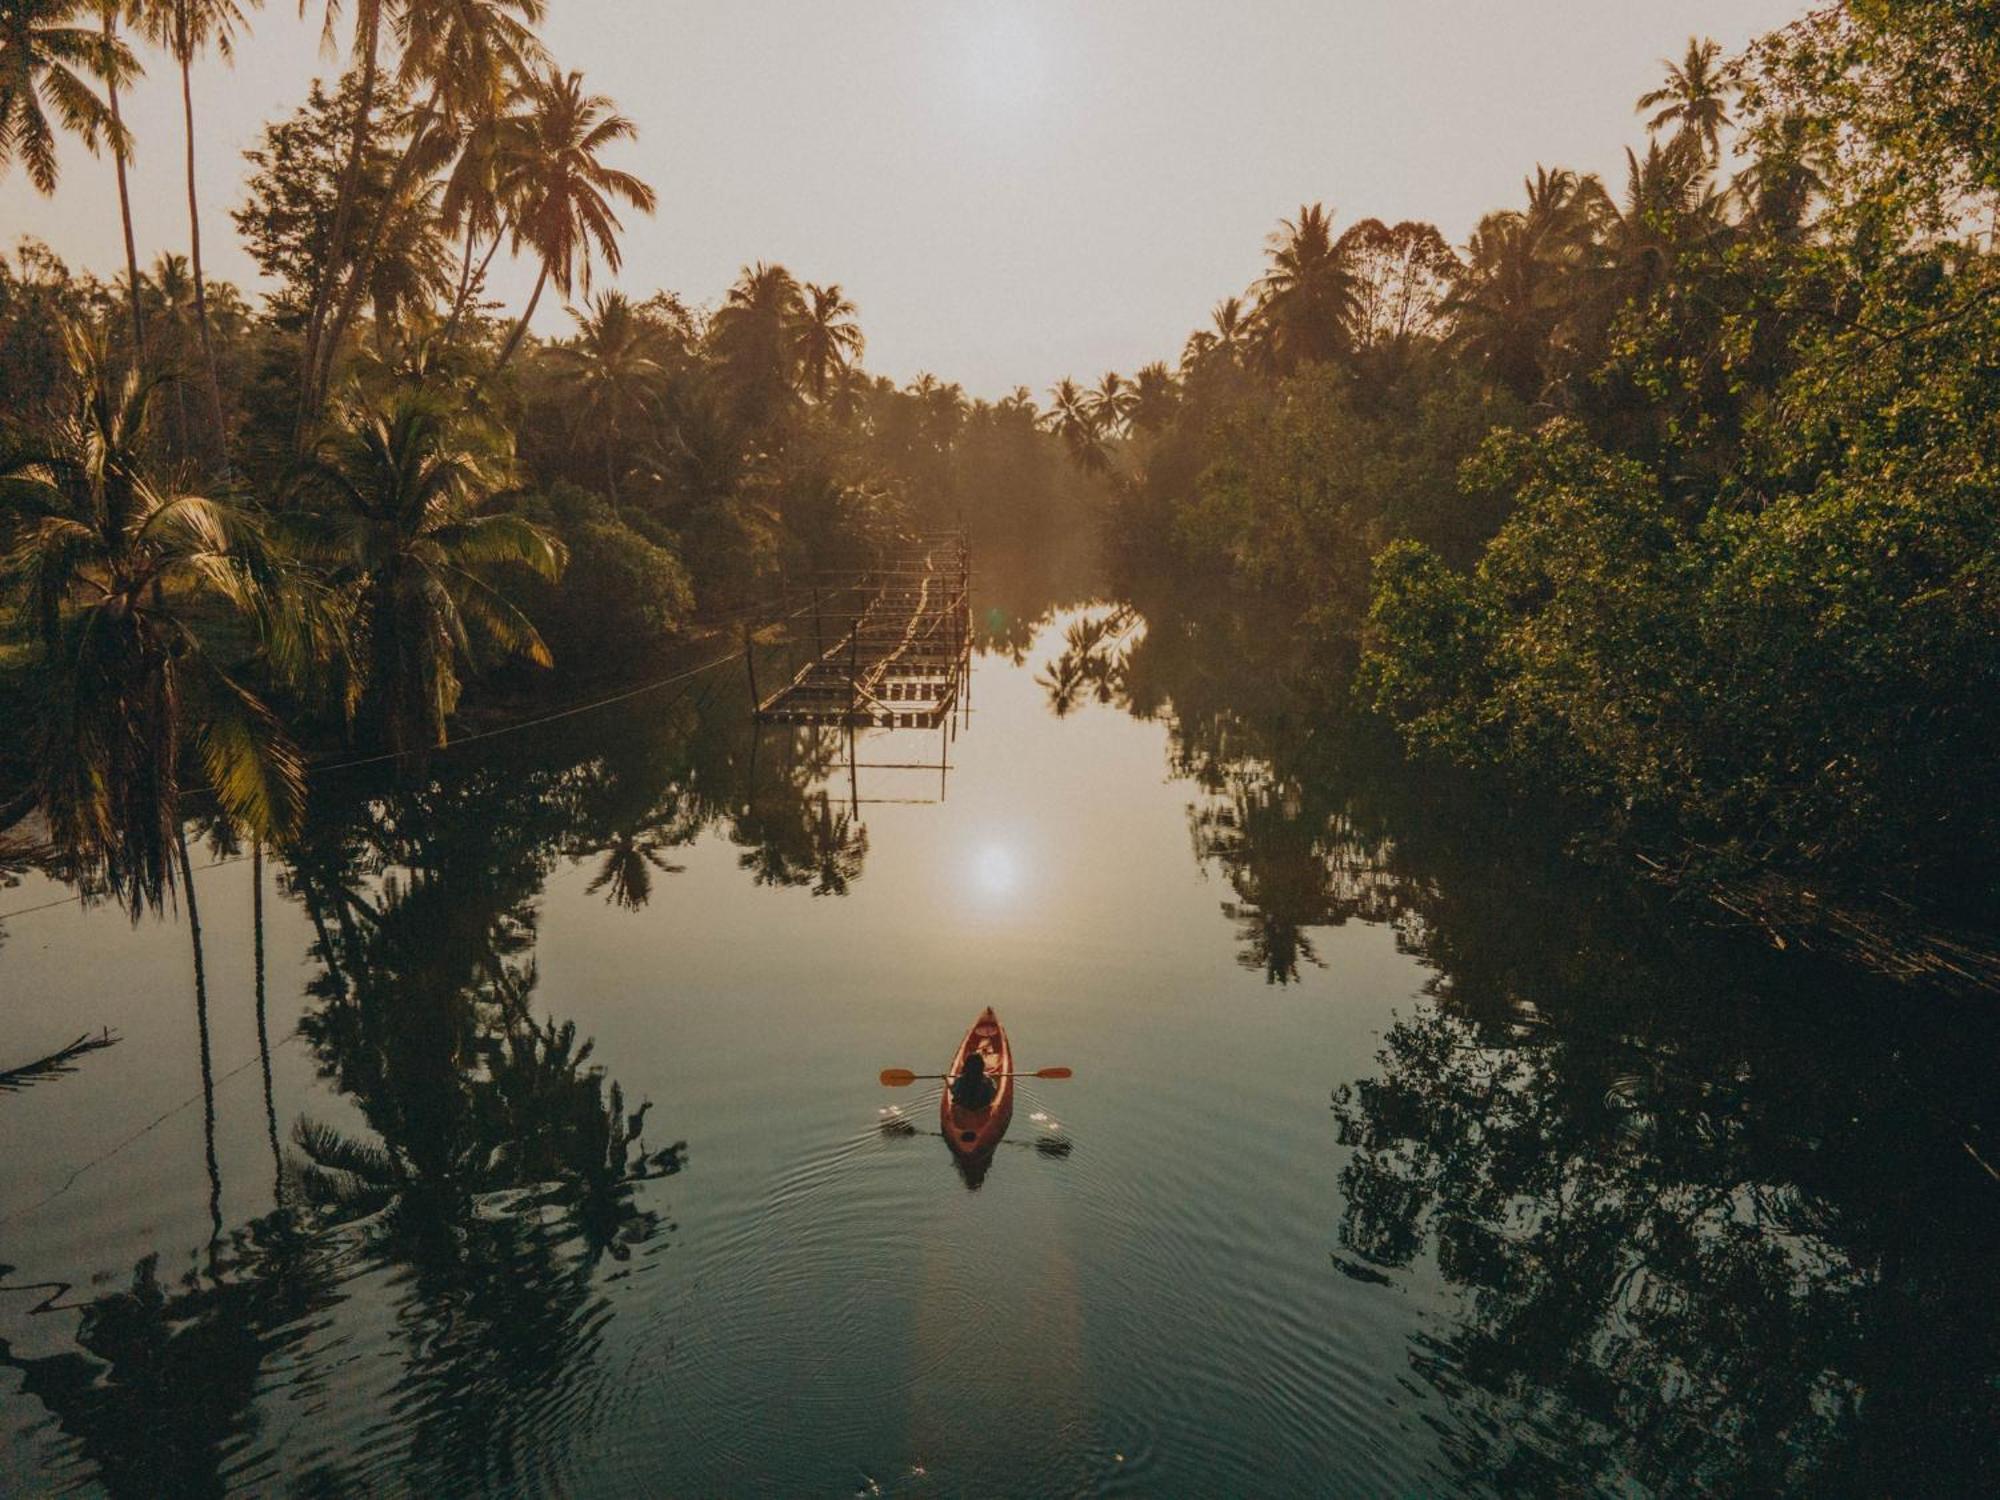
x: 1402, y: 1155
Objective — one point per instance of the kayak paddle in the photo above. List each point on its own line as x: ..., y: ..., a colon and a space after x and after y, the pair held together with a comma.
x: 895, y: 1078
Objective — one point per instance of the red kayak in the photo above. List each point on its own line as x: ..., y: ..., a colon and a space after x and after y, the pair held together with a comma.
x: 973, y: 1132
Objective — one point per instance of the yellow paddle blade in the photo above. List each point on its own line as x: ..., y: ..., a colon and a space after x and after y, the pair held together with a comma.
x: 895, y: 1078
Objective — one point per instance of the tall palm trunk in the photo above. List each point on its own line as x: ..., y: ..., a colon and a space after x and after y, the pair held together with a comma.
x: 124, y: 196
x: 466, y: 286
x: 263, y: 1025
x: 201, y: 1028
x: 520, y: 328
x: 194, y: 256
x: 367, y: 35
x: 464, y: 279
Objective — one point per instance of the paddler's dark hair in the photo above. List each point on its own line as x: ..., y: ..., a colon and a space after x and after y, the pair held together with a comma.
x: 976, y: 1062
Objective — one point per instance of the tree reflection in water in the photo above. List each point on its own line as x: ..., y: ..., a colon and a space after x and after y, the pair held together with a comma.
x: 157, y: 1397
x: 1297, y: 850
x: 492, y: 1169
x: 1705, y: 1220
x: 1711, y: 1228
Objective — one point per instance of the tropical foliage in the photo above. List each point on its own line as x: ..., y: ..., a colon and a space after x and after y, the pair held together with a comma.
x: 232, y: 532
x: 1676, y: 500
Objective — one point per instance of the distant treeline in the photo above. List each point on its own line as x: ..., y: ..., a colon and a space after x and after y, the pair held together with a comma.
x: 1678, y: 501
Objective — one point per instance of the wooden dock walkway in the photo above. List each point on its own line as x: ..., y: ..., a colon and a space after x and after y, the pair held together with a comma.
x: 890, y: 645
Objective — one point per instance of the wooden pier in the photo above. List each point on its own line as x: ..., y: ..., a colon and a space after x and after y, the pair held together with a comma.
x: 890, y: 643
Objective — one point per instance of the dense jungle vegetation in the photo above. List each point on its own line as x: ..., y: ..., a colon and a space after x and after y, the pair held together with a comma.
x: 1671, y: 502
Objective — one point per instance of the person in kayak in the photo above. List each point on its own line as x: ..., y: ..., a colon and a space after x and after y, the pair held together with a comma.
x: 972, y: 1089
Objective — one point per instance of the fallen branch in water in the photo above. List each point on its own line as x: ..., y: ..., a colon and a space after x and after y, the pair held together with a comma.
x: 57, y: 1063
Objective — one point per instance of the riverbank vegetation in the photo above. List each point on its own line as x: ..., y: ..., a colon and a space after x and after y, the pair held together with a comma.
x: 1667, y: 504
x: 1670, y: 499
x: 237, y: 534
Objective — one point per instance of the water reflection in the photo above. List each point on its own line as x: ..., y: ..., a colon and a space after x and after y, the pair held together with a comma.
x: 57, y: 1064
x: 1705, y: 1220
x: 1624, y: 1209
x: 158, y: 1394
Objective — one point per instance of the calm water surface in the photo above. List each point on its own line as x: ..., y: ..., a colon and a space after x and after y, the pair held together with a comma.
x: 1396, y: 1162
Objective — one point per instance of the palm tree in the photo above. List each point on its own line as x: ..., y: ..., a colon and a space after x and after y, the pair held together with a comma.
x: 1670, y: 205
x: 407, y: 273
x: 1072, y: 416
x: 1694, y: 99
x: 43, y: 61
x: 470, y: 52
x: 1018, y: 405
x: 113, y: 68
x: 490, y: 147
x: 1227, y: 337
x: 1111, y: 402
x: 1306, y: 300
x: 185, y: 28
x: 1499, y: 310
x: 944, y: 410
x: 564, y: 192
x: 609, y: 374
x: 173, y: 284
x: 132, y: 588
x: 1776, y: 190
x: 1156, y: 396
x: 1525, y: 277
x: 756, y: 338
x: 829, y: 338
x: 402, y: 483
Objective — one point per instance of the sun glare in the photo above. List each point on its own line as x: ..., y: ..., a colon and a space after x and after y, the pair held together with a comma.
x: 996, y: 872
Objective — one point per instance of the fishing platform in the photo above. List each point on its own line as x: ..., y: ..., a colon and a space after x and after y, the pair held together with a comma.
x: 890, y: 645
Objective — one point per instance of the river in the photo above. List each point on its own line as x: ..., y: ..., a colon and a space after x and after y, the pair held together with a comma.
x: 1402, y: 1156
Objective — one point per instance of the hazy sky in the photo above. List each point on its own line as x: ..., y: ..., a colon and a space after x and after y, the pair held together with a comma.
x: 1010, y: 190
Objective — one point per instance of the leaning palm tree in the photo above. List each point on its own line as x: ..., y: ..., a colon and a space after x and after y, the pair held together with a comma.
x: 564, y: 193
x: 366, y: 53
x: 1694, y: 99
x: 829, y: 338
x: 474, y: 200
x: 133, y: 591
x: 186, y: 28
x: 468, y: 54
x: 1306, y: 300
x: 399, y: 485
x: 608, y: 374
x: 43, y: 63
